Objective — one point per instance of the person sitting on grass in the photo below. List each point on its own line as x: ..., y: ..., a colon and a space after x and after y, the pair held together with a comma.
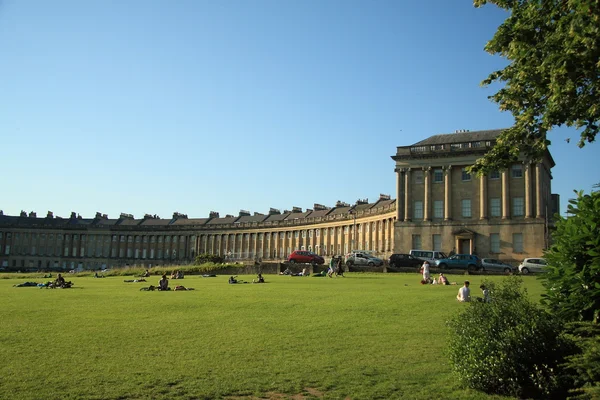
x: 486, y: 294
x: 163, y: 284
x: 464, y: 293
x: 232, y: 280
x: 179, y: 274
x: 443, y: 280
x: 259, y: 279
x: 146, y: 274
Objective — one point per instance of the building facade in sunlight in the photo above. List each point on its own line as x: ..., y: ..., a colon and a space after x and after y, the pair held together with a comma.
x: 438, y: 206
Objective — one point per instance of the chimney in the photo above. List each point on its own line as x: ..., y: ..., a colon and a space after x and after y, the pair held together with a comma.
x: 244, y: 213
x: 213, y: 214
x: 32, y: 214
x: 384, y: 197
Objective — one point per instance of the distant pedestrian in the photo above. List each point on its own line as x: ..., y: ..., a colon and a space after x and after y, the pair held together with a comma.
x: 425, y: 269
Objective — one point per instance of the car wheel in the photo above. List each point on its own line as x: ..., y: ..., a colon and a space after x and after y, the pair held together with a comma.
x: 292, y: 261
x: 507, y: 270
x: 525, y: 271
x: 349, y: 263
x: 313, y: 263
x: 370, y: 264
x: 393, y: 265
x: 443, y: 266
x: 471, y: 268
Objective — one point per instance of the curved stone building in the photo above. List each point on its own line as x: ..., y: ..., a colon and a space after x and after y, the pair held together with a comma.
x: 439, y: 206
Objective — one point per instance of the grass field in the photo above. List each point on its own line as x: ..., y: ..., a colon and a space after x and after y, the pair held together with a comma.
x: 365, y: 336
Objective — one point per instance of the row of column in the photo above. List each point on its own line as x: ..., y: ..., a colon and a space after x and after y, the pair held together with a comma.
x: 274, y: 245
x: 403, y: 176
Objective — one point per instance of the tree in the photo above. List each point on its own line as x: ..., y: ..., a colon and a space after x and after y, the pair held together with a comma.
x: 573, y: 277
x: 553, y: 77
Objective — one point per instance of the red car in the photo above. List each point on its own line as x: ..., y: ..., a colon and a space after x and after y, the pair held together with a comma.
x: 305, y: 257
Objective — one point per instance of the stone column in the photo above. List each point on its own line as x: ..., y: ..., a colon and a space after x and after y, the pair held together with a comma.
x: 399, y: 215
x: 483, y: 197
x: 538, y: 191
x: 448, y: 193
x: 407, y: 195
x: 505, y: 196
x: 527, y: 173
x: 426, y: 201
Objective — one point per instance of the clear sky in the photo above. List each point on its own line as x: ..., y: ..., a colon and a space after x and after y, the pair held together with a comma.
x: 143, y: 106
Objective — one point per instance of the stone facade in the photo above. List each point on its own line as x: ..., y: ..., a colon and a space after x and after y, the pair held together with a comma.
x: 52, y: 243
x: 504, y: 215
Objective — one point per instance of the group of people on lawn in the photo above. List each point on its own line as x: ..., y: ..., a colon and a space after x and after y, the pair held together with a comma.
x: 464, y: 293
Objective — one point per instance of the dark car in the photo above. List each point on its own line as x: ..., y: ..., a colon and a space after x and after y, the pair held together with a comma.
x: 404, y: 260
x: 305, y: 257
x: 460, y: 261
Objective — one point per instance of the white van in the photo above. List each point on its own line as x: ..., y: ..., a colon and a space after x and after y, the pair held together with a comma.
x: 428, y: 255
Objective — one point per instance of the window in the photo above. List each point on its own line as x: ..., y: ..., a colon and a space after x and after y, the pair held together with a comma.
x: 518, y: 207
x: 516, y: 171
x: 416, y: 241
x: 495, y: 175
x: 438, y: 209
x: 346, y: 229
x: 495, y: 243
x: 495, y: 207
x: 466, y: 208
x: 318, y: 232
x: 418, y: 176
x: 437, y: 242
x: 332, y: 232
x: 438, y: 175
x: 296, y: 234
x: 418, y: 210
x: 310, y: 233
x: 122, y: 238
x: 465, y: 175
x: 517, y: 242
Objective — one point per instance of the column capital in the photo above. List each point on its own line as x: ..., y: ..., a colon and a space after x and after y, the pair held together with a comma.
x: 426, y: 168
x: 447, y: 167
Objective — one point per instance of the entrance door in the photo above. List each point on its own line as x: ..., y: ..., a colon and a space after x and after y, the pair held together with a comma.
x: 465, y: 246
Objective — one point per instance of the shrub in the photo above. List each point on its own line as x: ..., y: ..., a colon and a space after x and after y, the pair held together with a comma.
x: 208, y: 258
x: 585, y: 365
x: 509, y: 346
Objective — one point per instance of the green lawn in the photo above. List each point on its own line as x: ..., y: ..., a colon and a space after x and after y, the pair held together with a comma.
x: 365, y: 336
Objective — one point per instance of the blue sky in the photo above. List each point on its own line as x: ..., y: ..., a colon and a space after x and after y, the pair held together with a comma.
x: 193, y: 106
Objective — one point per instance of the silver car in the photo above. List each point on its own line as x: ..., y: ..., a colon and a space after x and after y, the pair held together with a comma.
x: 532, y: 265
x: 494, y: 265
x: 363, y: 259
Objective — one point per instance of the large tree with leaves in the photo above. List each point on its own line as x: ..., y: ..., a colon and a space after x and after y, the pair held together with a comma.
x: 573, y: 277
x: 553, y: 78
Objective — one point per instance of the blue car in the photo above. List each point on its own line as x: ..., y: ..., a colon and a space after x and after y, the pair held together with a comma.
x: 460, y: 261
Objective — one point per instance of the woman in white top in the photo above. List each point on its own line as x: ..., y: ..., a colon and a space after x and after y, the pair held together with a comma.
x: 426, y: 271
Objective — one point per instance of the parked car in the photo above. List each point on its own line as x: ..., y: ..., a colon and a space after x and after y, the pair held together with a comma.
x: 460, y: 261
x: 305, y: 257
x: 404, y: 260
x: 532, y: 265
x: 363, y: 259
x: 427, y: 255
x: 491, y: 264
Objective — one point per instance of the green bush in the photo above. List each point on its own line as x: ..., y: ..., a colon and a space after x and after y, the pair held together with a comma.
x: 208, y: 258
x: 585, y: 365
x: 509, y: 346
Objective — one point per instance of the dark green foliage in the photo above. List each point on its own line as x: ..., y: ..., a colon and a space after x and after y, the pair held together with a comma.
x: 553, y: 47
x: 208, y: 258
x: 509, y: 346
x: 585, y: 365
x: 573, y: 277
